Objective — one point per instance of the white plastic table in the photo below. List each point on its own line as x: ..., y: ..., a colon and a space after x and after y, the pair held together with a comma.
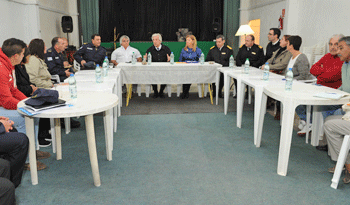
x: 86, y: 104
x: 301, y: 94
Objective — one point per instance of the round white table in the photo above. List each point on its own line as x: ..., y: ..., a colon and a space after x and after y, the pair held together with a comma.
x: 86, y: 104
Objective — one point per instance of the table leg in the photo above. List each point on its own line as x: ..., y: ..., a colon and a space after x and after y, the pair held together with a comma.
x: 240, y: 101
x: 261, y: 118
x: 258, y: 106
x: 90, y: 132
x: 217, y: 86
x: 58, y: 138
x: 53, y: 134
x: 32, y: 156
x: 108, y: 133
x: 227, y: 80
x: 286, y: 137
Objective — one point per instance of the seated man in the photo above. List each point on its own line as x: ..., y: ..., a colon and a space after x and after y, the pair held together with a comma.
x: 160, y: 53
x: 91, y: 54
x: 253, y: 52
x: 220, y: 53
x: 54, y: 59
x: 14, y: 148
x: 124, y: 53
x: 7, y: 189
x: 328, y: 68
x: 274, y: 45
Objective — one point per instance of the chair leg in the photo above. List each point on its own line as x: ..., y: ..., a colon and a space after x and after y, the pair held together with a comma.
x: 67, y: 125
x: 168, y: 88
x: 178, y: 90
x: 199, y: 90
x: 148, y: 90
x: 53, y: 134
x: 344, y: 150
x: 139, y: 90
x: 249, y: 95
x: 205, y: 90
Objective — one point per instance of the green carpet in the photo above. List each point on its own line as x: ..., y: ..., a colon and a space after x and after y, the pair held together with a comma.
x: 200, y: 158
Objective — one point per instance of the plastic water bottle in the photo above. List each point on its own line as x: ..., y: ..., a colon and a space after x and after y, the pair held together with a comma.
x: 107, y: 61
x: 98, y: 74
x: 105, y: 67
x: 149, y: 58
x: 232, y: 62
x: 172, y: 58
x: 201, y: 59
x: 289, y: 80
x: 72, y: 86
x: 266, y: 71
x: 133, y: 59
x: 246, y: 66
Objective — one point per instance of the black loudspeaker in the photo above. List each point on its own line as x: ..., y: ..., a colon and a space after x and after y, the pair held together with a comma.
x: 67, y: 24
x: 216, y: 25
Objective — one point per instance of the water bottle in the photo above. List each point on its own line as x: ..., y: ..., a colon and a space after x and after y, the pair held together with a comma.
x: 201, y: 59
x: 266, y: 71
x: 105, y: 67
x: 246, y: 66
x: 107, y: 61
x: 72, y: 86
x: 133, y: 59
x: 149, y: 60
x: 232, y: 62
x: 98, y: 74
x: 289, y: 80
x: 172, y: 58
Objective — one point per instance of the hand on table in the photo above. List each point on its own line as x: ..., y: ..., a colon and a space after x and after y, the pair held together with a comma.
x: 167, y: 55
x: 67, y: 72
x: 82, y: 62
x: 262, y: 67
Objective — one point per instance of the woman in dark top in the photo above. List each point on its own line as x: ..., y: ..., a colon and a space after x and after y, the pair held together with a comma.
x: 22, y: 77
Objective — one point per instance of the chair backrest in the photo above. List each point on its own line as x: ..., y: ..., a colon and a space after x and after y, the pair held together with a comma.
x: 56, y: 78
x: 310, y: 81
x: 76, y: 66
x: 317, y: 58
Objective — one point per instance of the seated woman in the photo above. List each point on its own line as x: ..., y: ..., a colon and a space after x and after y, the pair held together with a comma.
x: 36, y: 67
x: 280, y: 58
x: 22, y: 77
x: 190, y: 53
x: 301, y: 71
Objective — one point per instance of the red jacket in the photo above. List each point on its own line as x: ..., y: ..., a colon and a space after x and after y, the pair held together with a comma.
x: 9, y: 94
x: 330, y: 74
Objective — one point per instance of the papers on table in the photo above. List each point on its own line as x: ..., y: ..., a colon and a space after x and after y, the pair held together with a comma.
x: 333, y: 96
x: 33, y: 110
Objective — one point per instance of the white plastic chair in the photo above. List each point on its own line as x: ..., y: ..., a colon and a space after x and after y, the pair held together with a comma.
x: 56, y: 78
x: 344, y: 151
x: 76, y: 66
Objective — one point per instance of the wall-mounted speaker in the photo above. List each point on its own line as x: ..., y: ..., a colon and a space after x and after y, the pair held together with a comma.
x: 67, y: 24
x: 216, y: 26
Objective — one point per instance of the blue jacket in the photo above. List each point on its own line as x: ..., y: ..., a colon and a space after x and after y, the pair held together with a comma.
x: 190, y: 55
x: 54, y: 62
x: 89, y: 52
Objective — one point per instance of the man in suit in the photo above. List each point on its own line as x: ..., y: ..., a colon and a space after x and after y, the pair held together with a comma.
x: 252, y: 51
x: 220, y: 53
x: 160, y: 53
x: 274, y: 45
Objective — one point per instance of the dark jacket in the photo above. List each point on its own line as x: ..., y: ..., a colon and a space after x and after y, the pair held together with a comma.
x: 255, y: 56
x: 89, y: 52
x: 161, y: 55
x: 222, y: 57
x: 22, y: 80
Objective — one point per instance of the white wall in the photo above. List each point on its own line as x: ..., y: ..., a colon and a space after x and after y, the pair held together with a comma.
x: 28, y: 19
x: 313, y: 20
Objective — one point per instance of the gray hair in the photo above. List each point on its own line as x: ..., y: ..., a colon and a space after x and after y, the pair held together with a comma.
x: 346, y: 39
x: 122, y: 37
x: 220, y: 36
x: 157, y: 34
x: 337, y: 36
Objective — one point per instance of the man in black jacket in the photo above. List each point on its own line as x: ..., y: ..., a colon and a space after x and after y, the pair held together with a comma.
x: 274, y: 45
x: 252, y: 51
x: 220, y: 53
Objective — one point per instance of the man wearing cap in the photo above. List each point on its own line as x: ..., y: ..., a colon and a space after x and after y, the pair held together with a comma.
x: 91, y: 54
x: 54, y: 59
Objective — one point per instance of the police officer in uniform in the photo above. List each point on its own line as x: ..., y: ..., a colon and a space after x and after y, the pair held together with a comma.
x: 253, y: 52
x: 54, y: 59
x: 91, y: 54
x: 220, y: 54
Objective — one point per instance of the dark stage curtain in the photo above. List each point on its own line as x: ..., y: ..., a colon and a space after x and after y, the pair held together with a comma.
x: 139, y: 19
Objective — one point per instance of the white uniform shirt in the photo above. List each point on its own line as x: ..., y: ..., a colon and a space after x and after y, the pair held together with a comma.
x: 122, y: 55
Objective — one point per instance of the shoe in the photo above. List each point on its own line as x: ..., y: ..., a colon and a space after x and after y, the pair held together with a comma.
x: 39, y: 166
x: 45, y: 135
x: 322, y: 148
x: 332, y: 169
x: 182, y: 96
x: 303, y: 131
x: 220, y: 95
x: 42, y: 155
x: 44, y: 143
x: 346, y: 179
x: 302, y: 124
x: 155, y: 95
x: 186, y: 95
x: 161, y: 95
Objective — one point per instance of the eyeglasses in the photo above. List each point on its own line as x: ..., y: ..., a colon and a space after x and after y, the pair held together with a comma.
x: 270, y: 34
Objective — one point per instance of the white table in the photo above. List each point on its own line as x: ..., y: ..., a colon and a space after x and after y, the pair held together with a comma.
x: 87, y: 104
x: 165, y: 73
x: 301, y: 94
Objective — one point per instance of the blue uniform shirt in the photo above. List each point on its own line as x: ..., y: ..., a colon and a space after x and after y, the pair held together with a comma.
x: 190, y: 55
x: 54, y: 62
x: 89, y: 52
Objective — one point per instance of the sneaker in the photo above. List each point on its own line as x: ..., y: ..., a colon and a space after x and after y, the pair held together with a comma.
x: 42, y: 155
x: 332, y: 169
x: 303, y: 131
x: 346, y: 179
x: 44, y: 143
x: 39, y: 166
x: 302, y: 124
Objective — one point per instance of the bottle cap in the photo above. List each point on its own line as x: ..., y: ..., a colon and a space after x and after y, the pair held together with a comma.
x: 266, y: 63
x: 172, y: 52
x: 97, y: 65
x: 290, y: 68
x: 72, y: 75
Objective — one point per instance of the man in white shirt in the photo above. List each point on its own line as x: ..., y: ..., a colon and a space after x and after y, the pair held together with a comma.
x: 124, y: 53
